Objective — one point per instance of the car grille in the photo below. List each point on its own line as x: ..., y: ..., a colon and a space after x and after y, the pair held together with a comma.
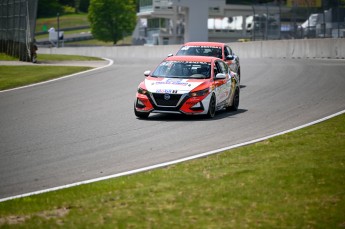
x: 161, y: 99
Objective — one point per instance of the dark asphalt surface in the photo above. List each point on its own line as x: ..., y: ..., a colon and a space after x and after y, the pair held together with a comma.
x: 84, y: 127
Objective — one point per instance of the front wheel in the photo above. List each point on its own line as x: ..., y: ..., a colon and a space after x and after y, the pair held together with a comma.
x: 212, y: 107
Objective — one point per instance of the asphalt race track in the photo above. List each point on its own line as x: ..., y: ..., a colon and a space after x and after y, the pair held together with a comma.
x: 84, y: 127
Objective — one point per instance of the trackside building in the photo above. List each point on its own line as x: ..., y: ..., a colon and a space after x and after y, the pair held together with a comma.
x: 164, y: 22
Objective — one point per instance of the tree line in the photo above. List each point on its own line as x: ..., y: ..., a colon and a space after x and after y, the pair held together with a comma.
x: 49, y: 8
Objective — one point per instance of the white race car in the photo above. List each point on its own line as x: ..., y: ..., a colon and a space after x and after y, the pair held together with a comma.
x: 191, y: 85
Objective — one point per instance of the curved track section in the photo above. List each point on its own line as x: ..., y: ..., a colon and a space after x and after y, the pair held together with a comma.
x: 83, y: 127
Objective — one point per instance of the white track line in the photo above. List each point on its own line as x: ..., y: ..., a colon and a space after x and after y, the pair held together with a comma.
x: 171, y: 162
x: 64, y: 77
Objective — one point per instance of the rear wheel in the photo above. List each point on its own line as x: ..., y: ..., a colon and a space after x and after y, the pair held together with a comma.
x: 212, y: 107
x: 235, y: 102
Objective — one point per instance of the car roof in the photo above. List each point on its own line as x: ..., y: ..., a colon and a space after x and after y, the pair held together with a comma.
x: 198, y: 43
x: 192, y: 58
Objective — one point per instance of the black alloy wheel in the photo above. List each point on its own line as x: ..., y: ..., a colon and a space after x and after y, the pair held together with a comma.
x: 212, y: 107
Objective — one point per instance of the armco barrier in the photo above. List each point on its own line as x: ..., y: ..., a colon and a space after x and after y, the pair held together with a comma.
x: 301, y: 48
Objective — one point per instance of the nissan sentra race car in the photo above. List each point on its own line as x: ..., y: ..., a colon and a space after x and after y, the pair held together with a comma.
x: 190, y: 85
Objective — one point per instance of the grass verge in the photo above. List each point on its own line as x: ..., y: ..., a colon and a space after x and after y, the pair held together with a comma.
x: 53, y: 57
x: 5, y: 57
x: 17, y: 76
x: 21, y: 75
x: 61, y: 57
x: 292, y: 181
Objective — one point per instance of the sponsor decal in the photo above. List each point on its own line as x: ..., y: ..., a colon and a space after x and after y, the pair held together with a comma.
x: 166, y: 91
x: 204, y: 47
x: 171, y: 86
x: 179, y: 82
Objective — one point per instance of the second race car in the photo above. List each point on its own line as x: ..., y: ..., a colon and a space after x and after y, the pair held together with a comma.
x: 216, y: 49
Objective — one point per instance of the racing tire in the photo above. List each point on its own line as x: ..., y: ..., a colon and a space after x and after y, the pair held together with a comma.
x: 141, y: 115
x: 212, y: 108
x: 235, y: 102
x: 239, y: 75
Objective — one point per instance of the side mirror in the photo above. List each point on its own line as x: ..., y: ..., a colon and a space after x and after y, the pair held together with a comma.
x: 220, y: 76
x: 147, y: 73
x: 230, y: 57
x: 170, y: 54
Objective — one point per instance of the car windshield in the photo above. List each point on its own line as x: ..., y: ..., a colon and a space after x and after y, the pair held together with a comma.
x: 200, y: 51
x: 180, y: 69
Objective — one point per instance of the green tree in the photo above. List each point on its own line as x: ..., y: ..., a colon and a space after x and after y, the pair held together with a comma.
x: 84, y: 6
x: 111, y: 20
x: 72, y: 3
x: 48, y: 8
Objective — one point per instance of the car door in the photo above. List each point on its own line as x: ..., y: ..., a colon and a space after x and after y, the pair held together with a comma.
x: 222, y: 86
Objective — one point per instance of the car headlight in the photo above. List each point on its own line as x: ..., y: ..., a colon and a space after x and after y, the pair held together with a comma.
x: 142, y: 91
x: 199, y: 93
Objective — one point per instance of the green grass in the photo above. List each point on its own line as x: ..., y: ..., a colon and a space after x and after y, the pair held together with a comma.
x: 7, y: 57
x: 53, y: 57
x: 61, y: 57
x: 65, y: 21
x: 292, y: 181
x: 16, y: 76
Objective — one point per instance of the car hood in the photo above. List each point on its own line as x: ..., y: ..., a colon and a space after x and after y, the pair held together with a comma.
x: 171, y: 85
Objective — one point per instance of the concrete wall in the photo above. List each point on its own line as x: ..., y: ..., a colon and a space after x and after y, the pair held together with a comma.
x: 116, y: 52
x: 304, y: 48
x: 301, y: 48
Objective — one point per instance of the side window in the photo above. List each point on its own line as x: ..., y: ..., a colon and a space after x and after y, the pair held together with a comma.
x: 229, y: 51
x: 226, y: 51
x: 215, y: 69
x: 226, y: 68
x: 223, y: 68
